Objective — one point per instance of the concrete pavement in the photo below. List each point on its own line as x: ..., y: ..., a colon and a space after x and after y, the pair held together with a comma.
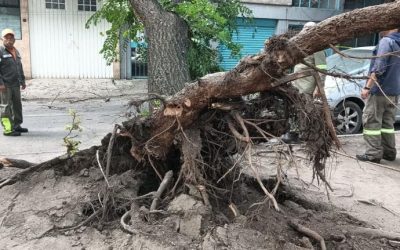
x: 100, y: 103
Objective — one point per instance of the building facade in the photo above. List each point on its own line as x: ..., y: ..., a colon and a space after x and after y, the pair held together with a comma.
x: 273, y: 17
x: 53, y: 40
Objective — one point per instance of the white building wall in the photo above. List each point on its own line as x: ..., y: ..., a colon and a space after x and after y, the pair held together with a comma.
x: 61, y: 46
x: 291, y: 13
x: 286, y: 15
x: 271, y: 2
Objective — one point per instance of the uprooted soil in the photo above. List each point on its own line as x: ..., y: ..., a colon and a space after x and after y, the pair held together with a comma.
x: 42, y: 211
x: 212, y: 201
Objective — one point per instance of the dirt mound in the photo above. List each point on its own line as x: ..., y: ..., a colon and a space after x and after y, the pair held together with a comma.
x: 43, y: 212
x: 204, y: 192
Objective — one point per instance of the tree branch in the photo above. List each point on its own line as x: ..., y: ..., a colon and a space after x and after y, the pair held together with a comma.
x: 395, y: 53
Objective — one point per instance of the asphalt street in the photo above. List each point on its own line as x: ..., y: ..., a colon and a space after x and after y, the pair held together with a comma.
x: 47, y: 127
x: 46, y: 116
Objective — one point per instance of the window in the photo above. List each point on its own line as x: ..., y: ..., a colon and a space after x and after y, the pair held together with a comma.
x: 87, y: 5
x: 320, y: 4
x: 55, y: 4
x: 354, y: 4
x: 10, y: 16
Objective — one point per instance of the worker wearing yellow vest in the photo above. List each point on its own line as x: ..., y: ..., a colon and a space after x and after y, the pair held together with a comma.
x: 306, y: 85
x: 11, y: 80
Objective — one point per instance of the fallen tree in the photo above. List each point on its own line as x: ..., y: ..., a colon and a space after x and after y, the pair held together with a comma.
x: 152, y: 138
x: 196, y: 132
x: 258, y: 73
x: 197, y: 140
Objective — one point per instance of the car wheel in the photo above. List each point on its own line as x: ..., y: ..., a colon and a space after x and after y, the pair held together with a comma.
x: 348, y: 118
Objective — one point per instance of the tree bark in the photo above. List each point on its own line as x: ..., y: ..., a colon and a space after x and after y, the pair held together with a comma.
x: 168, y: 41
x: 15, y: 163
x: 256, y: 74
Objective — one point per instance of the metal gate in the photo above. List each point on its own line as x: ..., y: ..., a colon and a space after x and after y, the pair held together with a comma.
x: 61, y: 46
x: 138, y: 62
x: 251, y: 36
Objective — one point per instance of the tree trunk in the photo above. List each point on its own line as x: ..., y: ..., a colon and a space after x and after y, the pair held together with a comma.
x: 168, y: 38
x: 255, y: 74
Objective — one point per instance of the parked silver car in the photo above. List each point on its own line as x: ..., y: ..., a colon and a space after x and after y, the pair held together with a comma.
x: 344, y: 95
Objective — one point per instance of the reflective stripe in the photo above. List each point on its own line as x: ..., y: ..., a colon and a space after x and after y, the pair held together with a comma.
x: 322, y: 66
x: 6, y: 125
x: 371, y: 132
x: 387, y: 130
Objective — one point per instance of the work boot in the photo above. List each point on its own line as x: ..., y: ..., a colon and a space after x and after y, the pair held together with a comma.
x: 12, y: 133
x: 290, y: 138
x: 389, y: 158
x: 20, y: 129
x: 367, y: 158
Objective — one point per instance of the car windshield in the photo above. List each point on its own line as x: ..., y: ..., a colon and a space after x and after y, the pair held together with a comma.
x: 342, y: 64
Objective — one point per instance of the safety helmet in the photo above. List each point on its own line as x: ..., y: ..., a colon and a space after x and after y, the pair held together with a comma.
x: 6, y: 32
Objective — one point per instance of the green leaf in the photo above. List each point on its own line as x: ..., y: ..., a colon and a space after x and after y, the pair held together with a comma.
x: 211, y: 22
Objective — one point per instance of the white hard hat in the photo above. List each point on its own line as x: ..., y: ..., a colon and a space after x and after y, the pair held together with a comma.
x: 309, y: 24
x: 6, y: 32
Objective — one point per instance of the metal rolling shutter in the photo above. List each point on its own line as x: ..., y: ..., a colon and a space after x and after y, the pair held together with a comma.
x: 251, y: 36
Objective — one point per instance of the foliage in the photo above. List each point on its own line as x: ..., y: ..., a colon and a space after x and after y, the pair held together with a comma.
x: 144, y: 113
x: 202, y: 60
x: 153, y: 105
x: 119, y: 14
x: 69, y: 142
x: 210, y: 21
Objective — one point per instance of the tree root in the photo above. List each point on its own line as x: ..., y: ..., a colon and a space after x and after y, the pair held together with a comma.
x: 15, y: 163
x: 21, y: 175
x: 327, y: 112
x: 371, y: 163
x: 308, y: 232
x: 164, y: 184
x: 374, y: 233
x: 100, y: 210
x: 378, y: 204
x: 266, y: 192
x: 83, y: 223
x: 106, y: 174
x: 125, y: 225
x: 204, y: 195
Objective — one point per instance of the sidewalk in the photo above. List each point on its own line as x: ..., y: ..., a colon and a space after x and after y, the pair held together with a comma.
x: 99, y: 103
x: 75, y: 89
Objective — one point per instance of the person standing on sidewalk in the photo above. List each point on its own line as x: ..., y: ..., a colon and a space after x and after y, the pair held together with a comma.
x: 382, y: 90
x: 306, y: 85
x: 11, y: 80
